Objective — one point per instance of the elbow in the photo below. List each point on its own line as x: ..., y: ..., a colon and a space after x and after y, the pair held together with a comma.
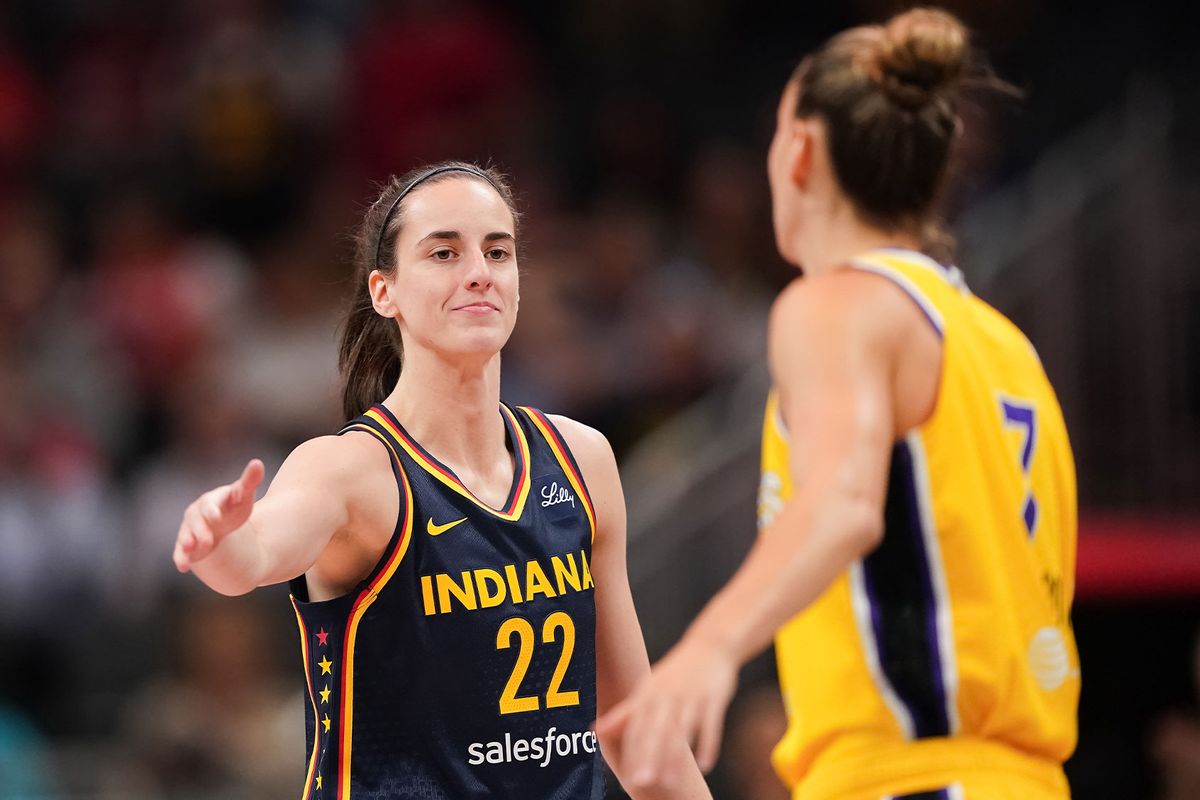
x: 230, y: 590
x: 229, y: 586
x: 863, y: 527
x: 234, y: 590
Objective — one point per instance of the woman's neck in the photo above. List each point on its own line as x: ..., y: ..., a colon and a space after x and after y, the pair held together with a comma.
x: 451, y: 408
x: 842, y: 235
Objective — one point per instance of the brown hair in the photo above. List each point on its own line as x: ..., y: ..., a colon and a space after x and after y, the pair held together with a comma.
x: 371, y: 353
x: 889, y: 96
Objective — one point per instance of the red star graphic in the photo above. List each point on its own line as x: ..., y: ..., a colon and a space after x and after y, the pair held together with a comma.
x: 322, y: 635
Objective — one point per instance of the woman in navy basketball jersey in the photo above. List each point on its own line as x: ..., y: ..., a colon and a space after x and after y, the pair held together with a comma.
x: 457, y: 565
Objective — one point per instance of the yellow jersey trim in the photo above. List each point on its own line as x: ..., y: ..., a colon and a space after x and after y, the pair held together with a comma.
x: 559, y: 450
x: 364, y: 601
x: 513, y: 512
x: 312, y: 760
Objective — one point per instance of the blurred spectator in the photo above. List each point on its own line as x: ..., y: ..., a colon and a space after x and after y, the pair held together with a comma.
x: 222, y: 724
x: 1175, y: 745
x: 22, y: 124
x: 548, y: 361
x: 642, y: 343
x: 438, y: 80
x: 756, y: 724
x: 23, y: 758
x: 726, y: 256
x: 283, y: 358
x: 102, y: 95
x: 634, y: 147
x: 63, y: 407
x: 251, y: 104
x: 58, y: 516
x: 661, y: 330
x: 159, y: 293
x: 211, y: 435
x: 49, y: 335
x: 32, y: 679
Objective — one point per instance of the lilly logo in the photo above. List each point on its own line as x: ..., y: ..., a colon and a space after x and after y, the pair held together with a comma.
x: 553, y: 494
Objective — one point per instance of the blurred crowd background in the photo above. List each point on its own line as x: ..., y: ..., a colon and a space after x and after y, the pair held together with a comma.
x: 178, y: 181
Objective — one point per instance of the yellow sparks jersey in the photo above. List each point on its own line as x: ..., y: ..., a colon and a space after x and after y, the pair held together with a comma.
x: 949, y: 647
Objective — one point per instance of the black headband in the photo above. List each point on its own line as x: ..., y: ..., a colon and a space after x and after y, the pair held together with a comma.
x: 478, y: 173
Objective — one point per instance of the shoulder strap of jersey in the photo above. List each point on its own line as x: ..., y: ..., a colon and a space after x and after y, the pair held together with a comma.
x: 934, y: 287
x: 566, y: 460
x: 372, y: 425
x: 402, y: 534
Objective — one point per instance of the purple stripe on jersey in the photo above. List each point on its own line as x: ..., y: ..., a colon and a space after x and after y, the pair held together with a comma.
x: 917, y: 297
x: 934, y: 794
x: 932, y: 640
x: 898, y: 583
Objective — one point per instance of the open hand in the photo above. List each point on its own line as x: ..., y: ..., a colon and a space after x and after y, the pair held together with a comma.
x: 216, y: 514
x: 687, y: 693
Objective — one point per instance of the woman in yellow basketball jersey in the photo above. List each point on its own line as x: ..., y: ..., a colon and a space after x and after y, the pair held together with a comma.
x: 457, y: 565
x: 917, y: 511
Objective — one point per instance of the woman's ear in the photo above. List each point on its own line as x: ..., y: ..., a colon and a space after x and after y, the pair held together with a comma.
x: 801, y: 153
x: 380, y: 289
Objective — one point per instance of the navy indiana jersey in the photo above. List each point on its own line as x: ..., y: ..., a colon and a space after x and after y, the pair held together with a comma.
x: 464, y: 665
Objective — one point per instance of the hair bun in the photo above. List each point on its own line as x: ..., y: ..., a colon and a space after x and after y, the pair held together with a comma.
x: 924, y: 52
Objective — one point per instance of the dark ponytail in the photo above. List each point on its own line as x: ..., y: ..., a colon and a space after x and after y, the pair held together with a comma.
x: 370, y: 355
x: 371, y: 352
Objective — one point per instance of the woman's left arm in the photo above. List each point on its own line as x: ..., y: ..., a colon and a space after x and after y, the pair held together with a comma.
x: 621, y: 661
x: 833, y: 345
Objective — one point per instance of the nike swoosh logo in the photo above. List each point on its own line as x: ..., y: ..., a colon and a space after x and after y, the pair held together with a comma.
x: 438, y: 530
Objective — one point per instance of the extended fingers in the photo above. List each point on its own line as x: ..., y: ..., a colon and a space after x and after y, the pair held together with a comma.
x: 647, y: 738
x: 676, y: 756
x: 195, y: 538
x: 211, y: 505
x: 243, y: 488
x: 613, y: 722
x: 182, y: 562
x: 213, y: 514
x: 252, y: 475
x: 709, y: 745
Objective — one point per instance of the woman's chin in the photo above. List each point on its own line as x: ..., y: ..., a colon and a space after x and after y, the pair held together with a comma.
x: 476, y: 348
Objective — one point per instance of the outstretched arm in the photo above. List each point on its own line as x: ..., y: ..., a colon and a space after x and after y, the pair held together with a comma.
x: 621, y: 661
x: 234, y: 544
x: 833, y: 342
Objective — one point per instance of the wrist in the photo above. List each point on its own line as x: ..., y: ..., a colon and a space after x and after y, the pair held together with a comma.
x: 719, y: 638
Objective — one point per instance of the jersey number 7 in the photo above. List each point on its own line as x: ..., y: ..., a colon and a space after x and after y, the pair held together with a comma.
x: 1022, y: 414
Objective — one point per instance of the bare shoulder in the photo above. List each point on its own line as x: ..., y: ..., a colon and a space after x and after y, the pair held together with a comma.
x: 838, y: 295
x: 334, y: 461
x: 592, y: 451
x: 846, y: 305
x: 353, y: 470
x: 585, y: 442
